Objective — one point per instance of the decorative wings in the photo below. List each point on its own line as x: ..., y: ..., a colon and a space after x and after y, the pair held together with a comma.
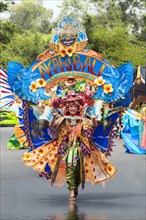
x: 6, y: 92
x: 39, y: 83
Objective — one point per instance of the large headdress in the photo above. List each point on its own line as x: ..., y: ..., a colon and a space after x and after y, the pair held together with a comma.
x: 68, y: 26
x: 80, y: 100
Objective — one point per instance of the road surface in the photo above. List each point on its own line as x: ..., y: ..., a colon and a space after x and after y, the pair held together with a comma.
x: 26, y: 196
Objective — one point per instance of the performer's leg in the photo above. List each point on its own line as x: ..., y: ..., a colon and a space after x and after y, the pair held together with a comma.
x: 77, y: 178
x: 70, y: 176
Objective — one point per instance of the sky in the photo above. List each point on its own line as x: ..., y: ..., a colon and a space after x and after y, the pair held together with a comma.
x: 52, y: 4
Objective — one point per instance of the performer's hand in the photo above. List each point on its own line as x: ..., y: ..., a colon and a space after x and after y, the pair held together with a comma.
x: 55, y: 114
x: 94, y: 117
x: 94, y: 122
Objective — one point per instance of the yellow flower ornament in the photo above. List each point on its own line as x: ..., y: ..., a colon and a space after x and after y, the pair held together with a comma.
x: 110, y: 169
x: 69, y: 51
x: 38, y: 84
x: 27, y: 156
x: 63, y: 52
x: 108, y: 88
x: 99, y: 81
x: 33, y: 87
x: 41, y: 82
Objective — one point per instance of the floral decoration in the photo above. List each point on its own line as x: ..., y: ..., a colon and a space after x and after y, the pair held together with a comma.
x: 27, y: 156
x: 88, y: 91
x: 40, y: 152
x: 108, y: 88
x: 38, y: 84
x: 41, y: 82
x: 33, y: 87
x: 99, y: 81
x: 63, y: 52
x: 110, y: 169
x: 69, y: 51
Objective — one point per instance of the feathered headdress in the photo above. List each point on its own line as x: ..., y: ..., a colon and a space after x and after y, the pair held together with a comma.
x: 81, y: 100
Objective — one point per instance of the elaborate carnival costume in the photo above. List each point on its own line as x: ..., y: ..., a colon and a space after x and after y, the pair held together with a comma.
x: 118, y: 126
x: 9, y: 101
x: 68, y: 90
x: 134, y: 127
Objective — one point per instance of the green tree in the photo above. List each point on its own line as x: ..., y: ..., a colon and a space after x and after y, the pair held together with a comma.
x: 24, y: 48
x: 4, y: 4
x: 130, y: 12
x: 142, y: 35
x: 111, y: 28
x: 77, y: 8
x: 31, y: 15
x: 7, y: 31
x: 118, y: 46
x: 108, y: 13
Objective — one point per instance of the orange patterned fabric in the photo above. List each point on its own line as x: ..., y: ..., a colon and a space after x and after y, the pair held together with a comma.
x: 19, y: 134
x: 97, y: 167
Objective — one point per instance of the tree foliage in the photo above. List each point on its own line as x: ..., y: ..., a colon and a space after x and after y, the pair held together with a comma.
x: 142, y: 35
x: 24, y: 48
x: 115, y: 28
x: 118, y: 46
x: 31, y: 15
x: 4, y: 4
x: 7, y: 31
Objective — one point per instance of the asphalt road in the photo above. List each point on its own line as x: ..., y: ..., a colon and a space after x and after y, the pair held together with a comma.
x: 26, y: 196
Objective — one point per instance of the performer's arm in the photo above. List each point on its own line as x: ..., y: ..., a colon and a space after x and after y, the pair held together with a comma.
x: 43, y: 123
x: 53, y: 120
x: 93, y: 121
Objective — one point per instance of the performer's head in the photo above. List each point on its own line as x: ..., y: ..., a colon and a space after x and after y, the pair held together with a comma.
x: 73, y: 105
x: 72, y: 109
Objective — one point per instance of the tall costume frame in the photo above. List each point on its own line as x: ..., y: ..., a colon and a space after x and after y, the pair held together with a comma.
x: 67, y: 94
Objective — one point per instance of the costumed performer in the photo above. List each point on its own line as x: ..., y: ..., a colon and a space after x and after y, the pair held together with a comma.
x: 134, y: 130
x: 10, y: 102
x: 75, y: 86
